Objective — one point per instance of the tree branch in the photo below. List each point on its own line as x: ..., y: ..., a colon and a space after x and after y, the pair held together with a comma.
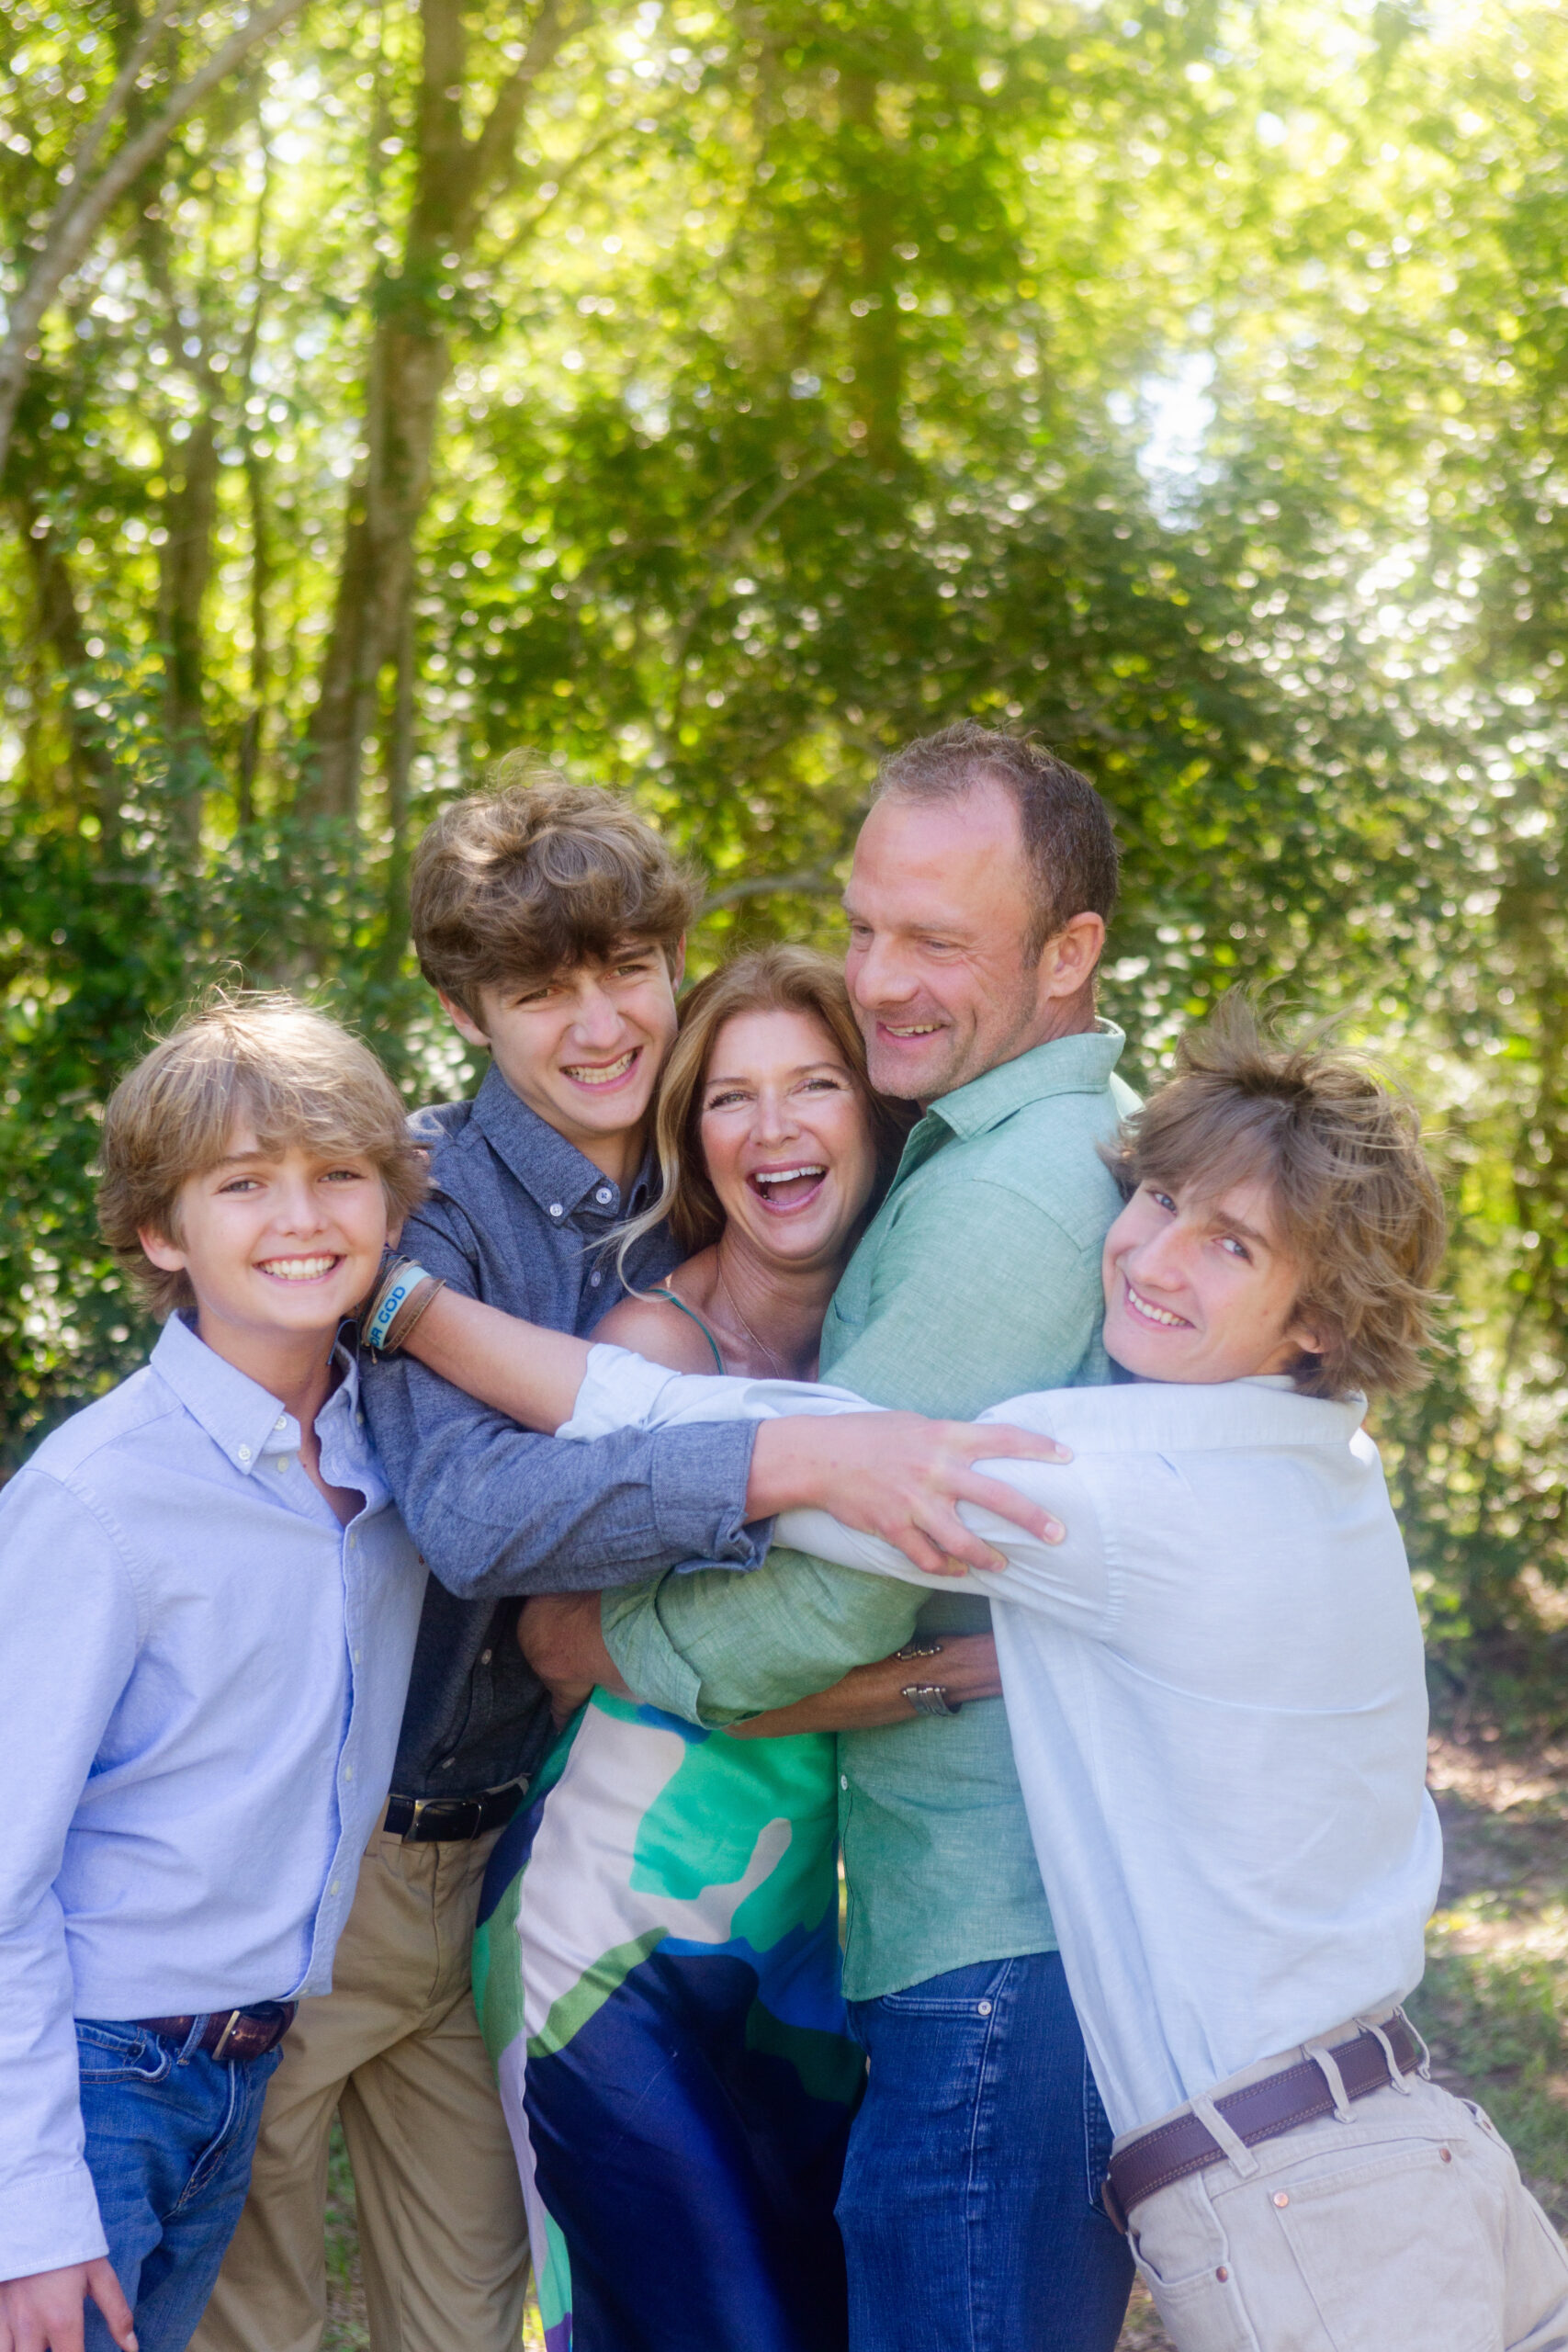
x: 74, y: 226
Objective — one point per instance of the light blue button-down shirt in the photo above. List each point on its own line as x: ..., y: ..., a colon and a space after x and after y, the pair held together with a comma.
x: 201, y: 1679
x: 1217, y: 1702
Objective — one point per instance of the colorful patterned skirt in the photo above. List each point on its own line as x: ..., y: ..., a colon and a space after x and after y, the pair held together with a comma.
x: 657, y: 1975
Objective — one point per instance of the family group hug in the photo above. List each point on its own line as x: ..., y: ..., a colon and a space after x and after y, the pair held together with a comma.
x: 772, y: 1657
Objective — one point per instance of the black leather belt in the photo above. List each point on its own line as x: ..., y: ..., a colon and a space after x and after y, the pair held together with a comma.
x: 1266, y: 2110
x: 420, y: 1820
x: 238, y: 2034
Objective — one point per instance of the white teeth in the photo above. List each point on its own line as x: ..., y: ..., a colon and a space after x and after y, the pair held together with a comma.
x: 298, y: 1270
x: 930, y: 1030
x: 786, y: 1175
x: 1146, y: 1307
x: 603, y: 1075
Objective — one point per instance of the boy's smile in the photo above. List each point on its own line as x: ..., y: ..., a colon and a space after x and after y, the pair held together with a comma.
x: 1202, y: 1289
x: 278, y: 1246
x: 584, y: 1046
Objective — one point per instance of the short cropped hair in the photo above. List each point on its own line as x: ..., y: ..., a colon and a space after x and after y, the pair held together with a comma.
x: 292, y: 1073
x: 1068, y: 843
x: 767, y: 980
x: 533, y: 875
x: 1354, y: 1199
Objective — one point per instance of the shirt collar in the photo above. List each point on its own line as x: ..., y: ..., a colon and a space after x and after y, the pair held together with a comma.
x: 1078, y: 1065
x: 244, y: 1419
x: 561, y: 1178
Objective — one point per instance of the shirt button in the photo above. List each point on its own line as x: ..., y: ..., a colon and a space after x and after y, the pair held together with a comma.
x: 280, y: 1425
x: 245, y: 1453
x: 447, y: 1762
x: 348, y: 1771
x: 1280, y: 2197
x: 843, y: 1780
x: 356, y: 1657
x: 354, y: 1542
x: 485, y: 1657
x: 556, y: 1209
x: 335, y: 1886
x: 595, y: 1280
x: 603, y: 1195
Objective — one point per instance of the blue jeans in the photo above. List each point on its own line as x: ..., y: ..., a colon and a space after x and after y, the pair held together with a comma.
x: 970, y: 2207
x: 170, y: 2137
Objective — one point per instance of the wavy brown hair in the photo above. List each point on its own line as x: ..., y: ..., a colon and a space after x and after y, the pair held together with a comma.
x: 768, y: 979
x: 1354, y: 1199
x: 294, y: 1075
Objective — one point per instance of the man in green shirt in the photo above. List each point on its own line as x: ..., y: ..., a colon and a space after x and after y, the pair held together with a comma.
x: 977, y: 903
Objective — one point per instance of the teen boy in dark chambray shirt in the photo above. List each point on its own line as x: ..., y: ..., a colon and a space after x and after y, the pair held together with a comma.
x: 528, y: 1179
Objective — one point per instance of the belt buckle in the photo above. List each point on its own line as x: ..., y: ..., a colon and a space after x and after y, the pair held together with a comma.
x: 221, y: 2044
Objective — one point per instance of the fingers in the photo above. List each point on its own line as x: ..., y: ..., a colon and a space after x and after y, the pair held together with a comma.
x: 960, y: 1545
x: 104, y: 2287
x: 999, y: 1441
x: 995, y: 1495
x: 923, y: 1554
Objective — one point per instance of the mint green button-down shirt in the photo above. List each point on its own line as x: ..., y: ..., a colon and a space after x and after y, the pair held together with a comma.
x: 979, y: 1279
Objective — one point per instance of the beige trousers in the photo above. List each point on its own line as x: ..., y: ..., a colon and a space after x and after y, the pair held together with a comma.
x: 1405, y: 2229
x: 395, y: 2049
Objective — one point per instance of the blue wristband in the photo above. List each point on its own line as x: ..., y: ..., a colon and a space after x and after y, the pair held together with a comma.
x: 391, y: 1300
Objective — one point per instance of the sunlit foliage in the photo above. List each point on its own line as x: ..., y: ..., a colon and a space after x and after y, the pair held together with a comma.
x: 710, y: 396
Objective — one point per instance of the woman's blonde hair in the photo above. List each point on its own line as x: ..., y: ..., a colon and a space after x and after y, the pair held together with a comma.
x: 1354, y: 1200
x: 293, y: 1073
x: 767, y: 980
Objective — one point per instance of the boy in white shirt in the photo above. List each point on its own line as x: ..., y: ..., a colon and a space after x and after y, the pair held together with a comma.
x: 1215, y: 1691
x: 210, y: 1607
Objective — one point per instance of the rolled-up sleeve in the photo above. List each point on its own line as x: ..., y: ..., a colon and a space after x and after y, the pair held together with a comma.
x: 69, y: 1611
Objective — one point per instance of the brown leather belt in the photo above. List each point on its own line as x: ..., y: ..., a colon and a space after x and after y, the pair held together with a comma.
x: 418, y: 1820
x: 1261, y: 2110
x: 238, y: 2034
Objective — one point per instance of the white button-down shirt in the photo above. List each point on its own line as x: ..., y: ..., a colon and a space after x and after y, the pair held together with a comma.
x: 201, y: 1679
x: 1215, y: 1690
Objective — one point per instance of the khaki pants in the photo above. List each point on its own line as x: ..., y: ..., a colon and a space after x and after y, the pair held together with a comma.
x: 1405, y: 2229
x: 395, y: 2049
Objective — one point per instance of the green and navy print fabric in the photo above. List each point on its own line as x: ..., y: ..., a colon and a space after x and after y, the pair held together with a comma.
x: 657, y: 1975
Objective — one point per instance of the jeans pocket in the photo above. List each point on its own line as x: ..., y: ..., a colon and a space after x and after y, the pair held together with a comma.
x: 962, y: 1992
x: 1401, y: 2249
x: 108, y: 2051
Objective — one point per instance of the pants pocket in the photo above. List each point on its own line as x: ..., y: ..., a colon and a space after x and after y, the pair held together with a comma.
x: 107, y: 2052
x: 1399, y: 2252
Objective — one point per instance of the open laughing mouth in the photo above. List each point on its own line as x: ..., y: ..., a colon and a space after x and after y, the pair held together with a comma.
x: 1147, y: 1311
x: 909, y: 1032
x: 299, y: 1270
x: 602, y: 1073
x: 782, y: 1189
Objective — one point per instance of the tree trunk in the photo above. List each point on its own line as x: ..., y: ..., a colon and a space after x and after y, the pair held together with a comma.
x: 190, y: 515
x: 409, y: 361
x: 59, y: 625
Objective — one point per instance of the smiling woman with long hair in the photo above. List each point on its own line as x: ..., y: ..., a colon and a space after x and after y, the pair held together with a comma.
x: 657, y: 1965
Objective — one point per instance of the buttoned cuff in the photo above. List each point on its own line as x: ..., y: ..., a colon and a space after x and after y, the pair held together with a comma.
x: 47, y: 2219
x: 700, y: 1476
x: 647, y: 1659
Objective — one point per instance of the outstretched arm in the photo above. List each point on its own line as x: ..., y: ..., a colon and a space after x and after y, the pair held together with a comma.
x: 895, y: 1477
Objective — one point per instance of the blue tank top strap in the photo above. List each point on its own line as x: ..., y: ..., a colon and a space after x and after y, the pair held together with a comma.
x: 665, y: 1292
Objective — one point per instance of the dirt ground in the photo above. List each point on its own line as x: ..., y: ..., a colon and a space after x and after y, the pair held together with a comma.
x: 1493, y: 2007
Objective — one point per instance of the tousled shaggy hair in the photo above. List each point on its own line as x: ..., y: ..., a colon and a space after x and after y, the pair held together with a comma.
x: 294, y: 1074
x: 1068, y: 844
x: 768, y: 979
x: 1354, y: 1200
x: 533, y: 875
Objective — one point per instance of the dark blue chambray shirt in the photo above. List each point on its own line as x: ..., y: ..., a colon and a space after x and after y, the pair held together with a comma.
x: 519, y: 1218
